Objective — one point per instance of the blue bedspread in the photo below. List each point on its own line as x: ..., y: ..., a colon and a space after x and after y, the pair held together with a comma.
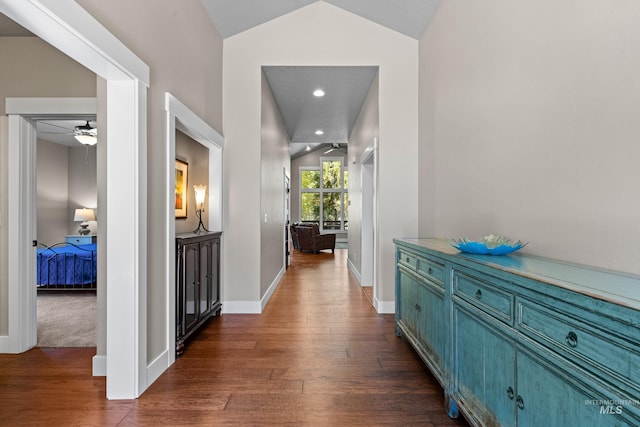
x: 66, y: 265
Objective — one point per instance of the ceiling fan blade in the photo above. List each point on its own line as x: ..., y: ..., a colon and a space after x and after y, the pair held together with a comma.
x: 55, y: 125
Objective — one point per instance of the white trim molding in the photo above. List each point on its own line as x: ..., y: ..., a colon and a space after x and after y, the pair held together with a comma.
x: 180, y: 117
x: 66, y: 26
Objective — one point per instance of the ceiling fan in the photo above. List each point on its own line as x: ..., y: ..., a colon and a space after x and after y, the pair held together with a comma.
x: 336, y: 146
x: 85, y: 134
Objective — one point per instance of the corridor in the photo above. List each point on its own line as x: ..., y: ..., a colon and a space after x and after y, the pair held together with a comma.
x: 318, y: 355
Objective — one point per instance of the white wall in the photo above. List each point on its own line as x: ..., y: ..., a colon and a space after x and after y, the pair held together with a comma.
x: 83, y: 185
x: 183, y: 50
x: 53, y: 192
x: 31, y: 68
x: 530, y: 113
x: 196, y: 156
x: 365, y: 130
x: 274, y: 163
x: 319, y: 34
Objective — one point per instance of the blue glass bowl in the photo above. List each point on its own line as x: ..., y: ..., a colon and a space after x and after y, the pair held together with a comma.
x: 474, y: 247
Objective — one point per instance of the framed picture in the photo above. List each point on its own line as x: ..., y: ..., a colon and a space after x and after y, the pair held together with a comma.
x: 182, y: 174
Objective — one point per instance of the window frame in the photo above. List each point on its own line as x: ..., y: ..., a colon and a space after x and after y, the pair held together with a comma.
x: 322, y: 191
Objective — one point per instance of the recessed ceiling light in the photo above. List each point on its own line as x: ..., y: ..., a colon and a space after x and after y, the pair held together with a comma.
x: 319, y: 132
x: 318, y: 92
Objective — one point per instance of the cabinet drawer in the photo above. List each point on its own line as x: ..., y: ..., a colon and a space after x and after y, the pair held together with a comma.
x: 479, y: 292
x: 433, y: 270
x: 408, y: 259
x: 80, y: 240
x: 574, y: 339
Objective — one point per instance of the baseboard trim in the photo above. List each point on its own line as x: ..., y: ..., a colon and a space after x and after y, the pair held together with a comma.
x: 99, y: 366
x: 241, y: 307
x: 157, y: 367
x: 352, y: 268
x: 271, y: 290
x: 384, y: 307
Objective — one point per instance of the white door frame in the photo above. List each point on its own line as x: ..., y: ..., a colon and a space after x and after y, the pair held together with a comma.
x: 369, y: 227
x: 286, y: 237
x: 22, y: 207
x: 69, y: 28
x: 180, y: 117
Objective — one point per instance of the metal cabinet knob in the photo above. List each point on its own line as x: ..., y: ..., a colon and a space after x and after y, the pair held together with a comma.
x: 417, y: 307
x: 478, y: 294
x: 510, y: 393
x: 429, y: 271
x: 520, y: 402
x: 572, y: 339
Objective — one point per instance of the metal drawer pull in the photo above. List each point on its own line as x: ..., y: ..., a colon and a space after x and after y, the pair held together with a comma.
x: 429, y: 271
x: 510, y: 393
x: 417, y: 307
x: 478, y: 294
x: 520, y: 402
x: 572, y: 339
x: 407, y: 259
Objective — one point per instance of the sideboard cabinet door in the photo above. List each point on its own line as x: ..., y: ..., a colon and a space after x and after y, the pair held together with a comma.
x: 197, y: 283
x: 485, y: 375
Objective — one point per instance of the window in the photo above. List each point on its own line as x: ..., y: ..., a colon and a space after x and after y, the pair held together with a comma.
x: 323, y: 194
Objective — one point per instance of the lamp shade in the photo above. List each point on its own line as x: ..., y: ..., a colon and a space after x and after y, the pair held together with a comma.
x: 201, y: 191
x: 84, y: 215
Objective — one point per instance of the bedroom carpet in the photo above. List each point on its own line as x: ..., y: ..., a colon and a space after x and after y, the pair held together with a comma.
x: 66, y: 320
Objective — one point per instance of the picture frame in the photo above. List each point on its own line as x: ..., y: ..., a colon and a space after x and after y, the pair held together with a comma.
x: 182, y: 180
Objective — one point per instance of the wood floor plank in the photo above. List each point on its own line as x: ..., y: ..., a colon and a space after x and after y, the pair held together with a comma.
x: 319, y: 355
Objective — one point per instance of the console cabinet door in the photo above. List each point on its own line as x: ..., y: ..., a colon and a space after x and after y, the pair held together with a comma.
x: 214, y: 274
x: 431, y: 328
x: 191, y: 285
x: 408, y: 313
x: 206, y: 261
x: 548, y: 395
x: 484, y: 364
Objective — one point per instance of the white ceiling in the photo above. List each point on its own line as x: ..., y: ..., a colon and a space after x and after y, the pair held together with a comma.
x: 302, y: 114
x: 335, y: 113
x: 60, y: 131
x: 345, y: 87
x: 409, y: 17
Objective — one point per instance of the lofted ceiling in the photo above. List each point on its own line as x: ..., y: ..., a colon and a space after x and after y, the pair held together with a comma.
x: 409, y: 17
x: 302, y: 114
x: 345, y: 87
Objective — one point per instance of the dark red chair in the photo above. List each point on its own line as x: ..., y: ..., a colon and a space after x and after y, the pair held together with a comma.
x: 310, y: 239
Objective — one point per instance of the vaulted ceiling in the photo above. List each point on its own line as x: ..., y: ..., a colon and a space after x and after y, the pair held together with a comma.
x: 345, y: 87
x: 409, y: 17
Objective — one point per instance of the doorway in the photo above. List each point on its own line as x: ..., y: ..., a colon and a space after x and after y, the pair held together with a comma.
x: 66, y: 180
x: 287, y: 220
x: 127, y: 80
x: 368, y: 180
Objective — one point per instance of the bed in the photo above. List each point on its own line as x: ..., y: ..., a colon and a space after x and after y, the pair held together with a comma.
x: 65, y: 266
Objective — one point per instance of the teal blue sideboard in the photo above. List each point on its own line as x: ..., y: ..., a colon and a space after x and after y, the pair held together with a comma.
x: 519, y: 340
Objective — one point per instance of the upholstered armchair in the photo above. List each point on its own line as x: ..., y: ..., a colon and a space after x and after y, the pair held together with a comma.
x: 310, y: 239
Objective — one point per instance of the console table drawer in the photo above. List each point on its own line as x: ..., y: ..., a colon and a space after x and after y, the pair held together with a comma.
x: 408, y: 259
x: 433, y: 270
x: 481, y: 294
x: 574, y: 339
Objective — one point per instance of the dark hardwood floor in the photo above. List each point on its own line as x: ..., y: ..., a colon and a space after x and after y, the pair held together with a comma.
x: 318, y: 355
